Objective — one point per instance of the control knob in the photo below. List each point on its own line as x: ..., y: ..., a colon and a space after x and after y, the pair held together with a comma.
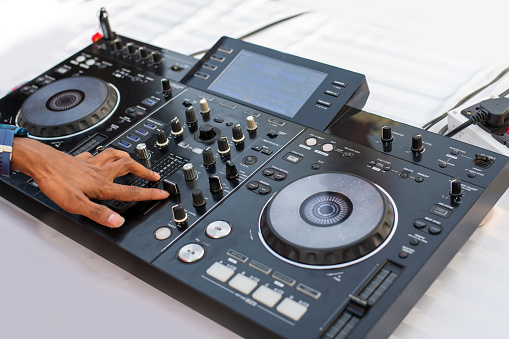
x: 215, y: 184
x: 131, y: 48
x: 231, y: 171
x: 198, y: 198
x: 189, y: 173
x: 142, y: 53
x: 223, y: 148
x: 417, y: 143
x: 179, y: 215
x: 191, y: 118
x: 208, y: 157
x: 142, y: 151
x: 176, y: 127
x: 238, y: 135
x: 156, y: 57
x: 166, y: 87
x: 204, y: 106
x: 251, y: 124
x: 162, y: 139
x: 387, y: 134
x: 455, y: 189
x: 119, y: 45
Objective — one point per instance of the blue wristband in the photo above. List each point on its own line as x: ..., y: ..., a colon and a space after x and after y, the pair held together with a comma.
x: 6, y: 140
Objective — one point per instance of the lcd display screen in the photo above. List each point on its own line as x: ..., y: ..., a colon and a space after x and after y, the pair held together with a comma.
x: 269, y: 83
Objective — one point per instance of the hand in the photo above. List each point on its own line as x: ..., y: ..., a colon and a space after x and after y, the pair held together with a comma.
x: 72, y: 181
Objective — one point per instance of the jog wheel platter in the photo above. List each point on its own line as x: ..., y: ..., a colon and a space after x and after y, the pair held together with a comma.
x: 328, y: 219
x: 68, y: 107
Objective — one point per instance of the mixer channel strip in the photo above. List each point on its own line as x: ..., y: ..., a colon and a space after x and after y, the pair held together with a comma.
x: 360, y: 302
x: 165, y: 167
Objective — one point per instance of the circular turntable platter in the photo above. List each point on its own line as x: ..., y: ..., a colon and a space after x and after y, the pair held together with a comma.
x: 67, y: 107
x: 328, y: 219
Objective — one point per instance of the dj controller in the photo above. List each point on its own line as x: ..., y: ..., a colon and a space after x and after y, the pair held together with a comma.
x: 292, y: 212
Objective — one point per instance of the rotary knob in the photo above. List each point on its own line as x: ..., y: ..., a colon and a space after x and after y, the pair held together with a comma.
x: 231, y: 171
x: 189, y: 173
x: 223, y: 148
x: 238, y: 135
x: 142, y: 53
x: 179, y: 215
x: 208, y: 157
x: 176, y: 127
x: 130, y: 48
x: 191, y: 118
x: 198, y: 198
x: 119, y: 45
x: 215, y: 184
x: 204, y: 106
x: 166, y: 87
x: 387, y: 134
x: 142, y: 151
x: 206, y: 132
x: 455, y: 188
x: 156, y: 57
x: 251, y: 124
x: 417, y: 143
x: 162, y: 139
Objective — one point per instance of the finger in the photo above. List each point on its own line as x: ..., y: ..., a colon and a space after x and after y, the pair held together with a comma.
x: 131, y: 193
x: 84, y: 156
x: 127, y: 165
x: 108, y: 156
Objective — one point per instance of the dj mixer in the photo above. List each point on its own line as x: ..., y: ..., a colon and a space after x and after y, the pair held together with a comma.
x: 292, y: 212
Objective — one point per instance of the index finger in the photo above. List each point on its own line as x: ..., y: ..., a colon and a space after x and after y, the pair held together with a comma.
x: 128, y: 165
x: 131, y: 193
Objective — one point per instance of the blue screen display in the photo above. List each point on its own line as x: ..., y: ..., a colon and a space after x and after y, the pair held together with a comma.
x: 269, y: 83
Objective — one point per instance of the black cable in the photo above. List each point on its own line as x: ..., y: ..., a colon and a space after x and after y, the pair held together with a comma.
x: 481, y: 116
x: 254, y: 32
x: 436, y: 120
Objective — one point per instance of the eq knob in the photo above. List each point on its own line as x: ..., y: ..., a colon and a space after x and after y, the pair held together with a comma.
x: 455, y: 188
x: 208, y: 157
x: 231, y: 171
x: 191, y: 118
x: 238, y: 135
x: 223, y: 147
x: 251, y: 124
x: 119, y: 45
x: 206, y: 132
x: 143, y: 53
x: 156, y: 57
x: 189, y: 173
x: 130, y: 48
x: 166, y: 87
x: 198, y: 198
x: 204, y: 106
x: 171, y: 187
x: 162, y: 139
x: 176, y: 127
x: 387, y: 134
x: 179, y: 215
x: 142, y: 151
x: 417, y: 143
x: 215, y: 184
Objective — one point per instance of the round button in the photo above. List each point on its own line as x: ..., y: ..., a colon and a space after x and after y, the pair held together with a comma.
x: 348, y: 154
x: 311, y: 142
x: 443, y: 164
x: 80, y: 58
x: 434, y: 229
x: 372, y: 163
x: 191, y: 253
x: 252, y: 185
x: 249, y: 160
x: 455, y: 152
x: 218, y: 229
x: 90, y: 62
x: 130, y: 110
x: 264, y: 190
x: 403, y: 255
x: 280, y: 176
x: 404, y: 175
x: 162, y: 233
x: 316, y: 166
x: 419, y: 223
x: 387, y: 168
x: 419, y: 179
x: 327, y: 147
x: 471, y: 174
x: 414, y: 242
x: 268, y: 172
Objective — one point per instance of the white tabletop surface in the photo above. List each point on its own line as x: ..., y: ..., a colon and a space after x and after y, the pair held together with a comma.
x: 419, y: 58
